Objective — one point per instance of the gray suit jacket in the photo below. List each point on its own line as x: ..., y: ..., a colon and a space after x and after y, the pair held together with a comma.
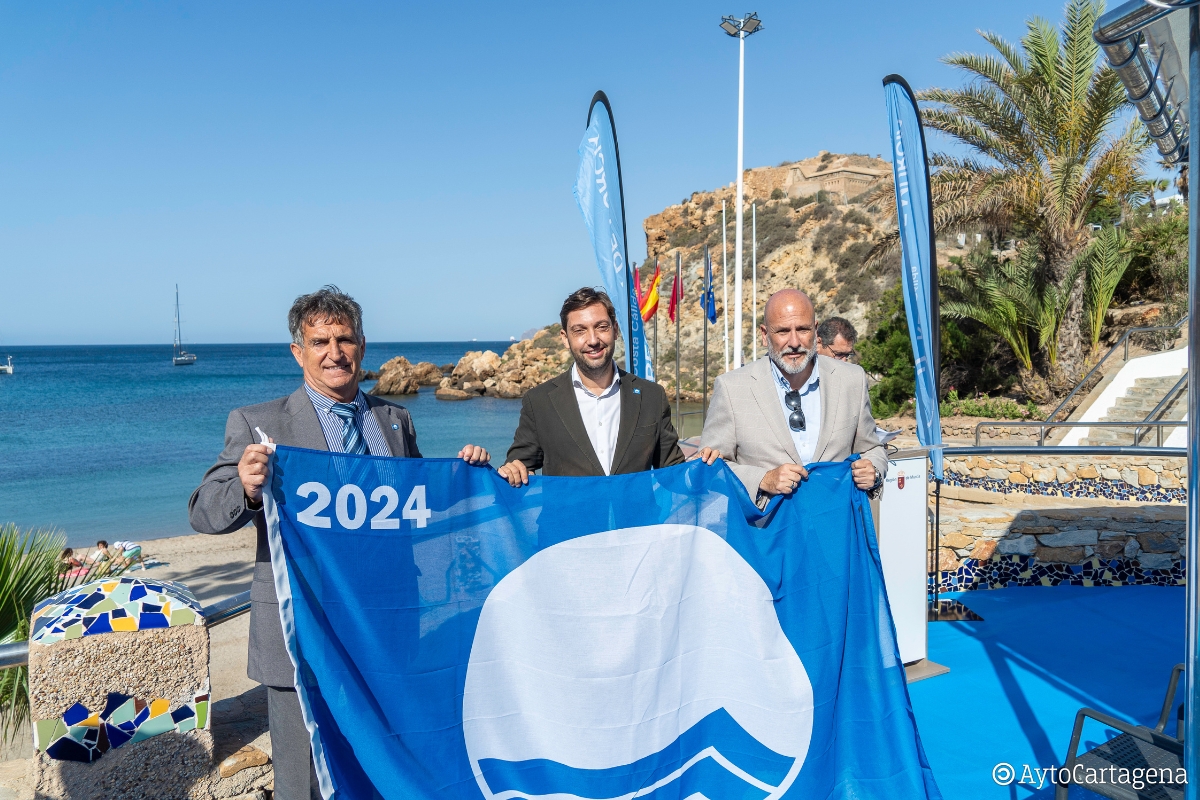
x: 746, y: 422
x: 219, y: 506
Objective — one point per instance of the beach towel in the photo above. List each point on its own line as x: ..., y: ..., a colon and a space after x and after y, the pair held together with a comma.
x: 652, y: 635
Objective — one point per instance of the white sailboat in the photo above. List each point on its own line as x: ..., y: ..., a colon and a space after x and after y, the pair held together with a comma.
x: 7, y: 369
x: 181, y: 357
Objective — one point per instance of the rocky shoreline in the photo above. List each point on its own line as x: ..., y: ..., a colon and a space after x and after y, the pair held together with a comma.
x: 479, y: 373
x: 484, y: 373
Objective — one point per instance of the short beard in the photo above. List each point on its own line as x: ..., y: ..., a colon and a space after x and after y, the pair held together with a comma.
x: 593, y: 372
x: 777, y: 358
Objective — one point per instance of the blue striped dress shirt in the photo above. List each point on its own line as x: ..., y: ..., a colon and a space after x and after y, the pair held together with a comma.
x: 331, y: 424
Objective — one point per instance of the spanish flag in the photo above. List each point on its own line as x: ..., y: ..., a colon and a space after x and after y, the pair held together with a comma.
x: 648, y: 304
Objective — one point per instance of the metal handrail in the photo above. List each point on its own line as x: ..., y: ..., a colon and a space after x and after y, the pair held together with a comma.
x: 1162, y: 407
x: 1082, y: 450
x: 1124, y: 340
x: 1044, y: 426
x: 16, y: 654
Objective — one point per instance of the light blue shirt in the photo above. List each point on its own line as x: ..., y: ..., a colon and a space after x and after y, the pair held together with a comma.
x: 331, y: 424
x: 810, y: 404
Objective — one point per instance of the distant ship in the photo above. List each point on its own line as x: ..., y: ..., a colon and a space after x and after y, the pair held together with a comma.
x: 181, y: 357
x: 6, y: 369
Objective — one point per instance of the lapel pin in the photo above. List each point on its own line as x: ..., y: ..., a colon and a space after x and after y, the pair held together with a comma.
x: 637, y: 391
x: 395, y: 427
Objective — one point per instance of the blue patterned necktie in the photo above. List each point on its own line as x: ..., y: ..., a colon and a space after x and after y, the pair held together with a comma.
x: 352, y: 440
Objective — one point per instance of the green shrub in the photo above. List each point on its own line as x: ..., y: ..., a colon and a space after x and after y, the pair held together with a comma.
x: 777, y: 194
x: 821, y: 212
x: 801, y: 202
x: 973, y: 359
x: 856, y: 217
x: 990, y: 407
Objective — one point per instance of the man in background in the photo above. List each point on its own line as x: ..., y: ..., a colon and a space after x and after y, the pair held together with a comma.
x: 836, y: 338
x: 594, y: 419
x: 328, y: 412
x: 774, y: 415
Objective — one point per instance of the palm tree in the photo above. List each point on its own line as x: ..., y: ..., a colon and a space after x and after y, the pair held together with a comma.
x: 1040, y: 121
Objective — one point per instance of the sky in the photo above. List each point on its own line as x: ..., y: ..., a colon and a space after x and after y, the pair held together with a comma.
x: 420, y: 157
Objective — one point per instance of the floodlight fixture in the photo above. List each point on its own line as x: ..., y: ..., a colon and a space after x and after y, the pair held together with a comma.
x: 743, y: 27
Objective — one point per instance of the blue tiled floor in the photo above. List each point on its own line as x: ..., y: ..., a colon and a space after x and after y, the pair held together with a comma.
x: 1018, y: 678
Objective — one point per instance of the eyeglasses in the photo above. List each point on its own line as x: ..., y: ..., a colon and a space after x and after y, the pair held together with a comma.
x: 848, y: 355
x: 796, y: 418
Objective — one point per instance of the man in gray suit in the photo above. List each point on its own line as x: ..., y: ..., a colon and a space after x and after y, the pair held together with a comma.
x: 328, y: 412
x: 776, y: 414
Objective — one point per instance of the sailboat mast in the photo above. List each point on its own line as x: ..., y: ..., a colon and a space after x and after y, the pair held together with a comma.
x: 177, y: 337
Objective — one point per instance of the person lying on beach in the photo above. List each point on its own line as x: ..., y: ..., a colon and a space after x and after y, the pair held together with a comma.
x: 67, y: 560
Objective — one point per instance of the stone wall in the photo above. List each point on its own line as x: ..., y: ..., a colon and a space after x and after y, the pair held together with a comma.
x: 990, y: 546
x: 1149, y: 480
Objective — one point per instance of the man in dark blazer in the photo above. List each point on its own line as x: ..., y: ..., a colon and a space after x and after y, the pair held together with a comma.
x: 327, y: 412
x: 594, y: 419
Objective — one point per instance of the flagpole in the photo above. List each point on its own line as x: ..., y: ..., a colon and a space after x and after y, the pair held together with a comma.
x: 678, y: 297
x: 725, y: 283
x: 754, y: 280
x: 704, y: 325
x: 737, y: 235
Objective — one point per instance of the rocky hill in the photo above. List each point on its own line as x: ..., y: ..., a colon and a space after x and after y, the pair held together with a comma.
x: 817, y: 242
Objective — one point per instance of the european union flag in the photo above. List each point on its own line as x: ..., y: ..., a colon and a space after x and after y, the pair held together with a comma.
x: 650, y: 635
x: 708, y: 300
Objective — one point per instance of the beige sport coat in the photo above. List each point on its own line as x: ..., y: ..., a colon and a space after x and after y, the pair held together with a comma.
x: 746, y: 421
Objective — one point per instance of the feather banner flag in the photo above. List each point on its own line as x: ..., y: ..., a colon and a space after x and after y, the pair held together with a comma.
x: 652, y: 635
x: 914, y: 216
x: 599, y: 192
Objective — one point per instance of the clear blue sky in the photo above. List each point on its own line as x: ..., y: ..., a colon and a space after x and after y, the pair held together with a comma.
x: 419, y: 156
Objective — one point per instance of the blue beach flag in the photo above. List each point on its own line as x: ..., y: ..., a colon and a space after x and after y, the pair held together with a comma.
x: 652, y: 635
x: 600, y: 194
x: 914, y: 215
x: 708, y: 300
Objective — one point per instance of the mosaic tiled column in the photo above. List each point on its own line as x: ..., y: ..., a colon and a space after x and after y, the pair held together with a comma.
x: 119, y: 692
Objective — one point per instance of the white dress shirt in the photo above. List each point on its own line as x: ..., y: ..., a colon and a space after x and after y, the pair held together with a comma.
x: 601, y: 416
x: 810, y: 404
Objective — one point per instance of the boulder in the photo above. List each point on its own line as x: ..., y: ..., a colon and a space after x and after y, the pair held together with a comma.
x: 248, y: 756
x: 450, y: 393
x: 399, y: 376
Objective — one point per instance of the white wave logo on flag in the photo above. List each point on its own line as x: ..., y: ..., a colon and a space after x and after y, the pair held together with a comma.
x: 641, y: 662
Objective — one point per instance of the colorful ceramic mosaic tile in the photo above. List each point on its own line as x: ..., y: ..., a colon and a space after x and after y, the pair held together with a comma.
x: 115, y: 604
x: 1098, y: 488
x: 1002, y: 571
x: 81, y: 735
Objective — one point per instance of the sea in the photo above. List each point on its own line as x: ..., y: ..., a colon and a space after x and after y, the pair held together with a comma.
x: 108, y: 442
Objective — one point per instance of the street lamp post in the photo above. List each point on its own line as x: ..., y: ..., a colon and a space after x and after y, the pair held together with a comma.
x: 741, y: 28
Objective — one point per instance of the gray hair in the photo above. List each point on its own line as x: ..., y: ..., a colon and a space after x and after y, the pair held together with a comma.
x: 834, y: 327
x: 327, y: 304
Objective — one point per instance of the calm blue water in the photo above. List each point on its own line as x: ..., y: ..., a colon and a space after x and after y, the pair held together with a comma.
x: 109, y: 442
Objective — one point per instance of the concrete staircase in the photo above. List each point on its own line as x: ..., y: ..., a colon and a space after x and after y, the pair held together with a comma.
x: 1137, y: 402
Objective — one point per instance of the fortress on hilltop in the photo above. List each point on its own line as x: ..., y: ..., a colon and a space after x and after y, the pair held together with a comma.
x: 843, y: 177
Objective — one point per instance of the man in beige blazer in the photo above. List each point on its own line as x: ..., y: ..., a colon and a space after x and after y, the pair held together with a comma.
x: 776, y: 414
